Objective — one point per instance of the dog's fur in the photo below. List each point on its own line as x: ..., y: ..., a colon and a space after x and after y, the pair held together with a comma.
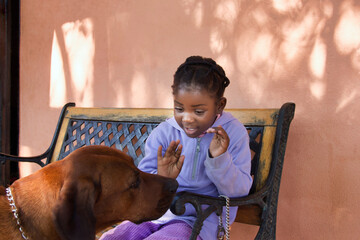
x: 91, y: 189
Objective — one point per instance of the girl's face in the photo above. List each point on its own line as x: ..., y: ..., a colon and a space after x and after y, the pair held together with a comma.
x: 195, y: 110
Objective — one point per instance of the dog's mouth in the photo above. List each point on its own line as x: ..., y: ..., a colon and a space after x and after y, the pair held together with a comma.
x: 164, y: 204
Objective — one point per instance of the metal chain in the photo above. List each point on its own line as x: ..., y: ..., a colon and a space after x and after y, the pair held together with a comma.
x: 15, y: 212
x: 224, y: 232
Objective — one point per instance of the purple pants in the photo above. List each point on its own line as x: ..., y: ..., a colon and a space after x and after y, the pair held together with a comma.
x: 174, y: 230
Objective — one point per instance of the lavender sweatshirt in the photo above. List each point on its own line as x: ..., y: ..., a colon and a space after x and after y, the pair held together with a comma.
x: 227, y: 174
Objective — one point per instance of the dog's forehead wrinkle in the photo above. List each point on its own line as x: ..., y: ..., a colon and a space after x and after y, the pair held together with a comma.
x: 112, y: 177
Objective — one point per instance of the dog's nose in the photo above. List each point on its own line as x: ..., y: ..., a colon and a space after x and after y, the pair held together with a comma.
x: 171, y: 185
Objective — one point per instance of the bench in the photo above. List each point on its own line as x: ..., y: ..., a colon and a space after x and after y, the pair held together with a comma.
x: 128, y: 129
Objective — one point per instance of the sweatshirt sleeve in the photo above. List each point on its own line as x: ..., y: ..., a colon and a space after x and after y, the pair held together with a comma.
x: 230, y: 172
x: 149, y: 162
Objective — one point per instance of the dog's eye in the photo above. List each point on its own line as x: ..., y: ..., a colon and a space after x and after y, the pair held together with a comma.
x: 136, y: 184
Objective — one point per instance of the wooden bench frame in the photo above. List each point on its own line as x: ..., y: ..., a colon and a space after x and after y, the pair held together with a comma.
x: 127, y: 129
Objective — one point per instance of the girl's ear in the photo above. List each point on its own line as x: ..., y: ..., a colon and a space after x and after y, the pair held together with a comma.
x: 221, y: 105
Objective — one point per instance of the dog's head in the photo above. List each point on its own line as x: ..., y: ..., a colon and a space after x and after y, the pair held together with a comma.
x: 102, y: 186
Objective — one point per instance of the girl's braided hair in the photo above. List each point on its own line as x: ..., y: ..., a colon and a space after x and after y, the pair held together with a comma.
x: 203, y: 73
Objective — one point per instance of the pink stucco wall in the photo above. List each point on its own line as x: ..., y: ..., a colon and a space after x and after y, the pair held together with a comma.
x: 124, y: 53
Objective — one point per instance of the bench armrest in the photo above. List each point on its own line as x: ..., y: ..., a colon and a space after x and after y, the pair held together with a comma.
x: 48, y: 153
x: 36, y: 159
x: 214, y: 204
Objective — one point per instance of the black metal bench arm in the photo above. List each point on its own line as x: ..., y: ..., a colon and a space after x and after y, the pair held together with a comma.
x: 215, y: 204
x: 47, y: 154
x: 36, y: 159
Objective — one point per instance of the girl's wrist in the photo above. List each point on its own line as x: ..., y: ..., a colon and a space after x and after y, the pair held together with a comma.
x: 216, y: 154
x: 210, y: 154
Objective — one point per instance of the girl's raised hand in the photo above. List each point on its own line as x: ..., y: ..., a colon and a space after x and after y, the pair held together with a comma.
x: 220, y: 142
x: 171, y: 163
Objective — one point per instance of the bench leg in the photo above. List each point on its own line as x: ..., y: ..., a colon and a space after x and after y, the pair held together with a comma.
x: 267, y: 230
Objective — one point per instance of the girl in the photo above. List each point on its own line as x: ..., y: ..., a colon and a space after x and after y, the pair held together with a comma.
x: 204, y: 148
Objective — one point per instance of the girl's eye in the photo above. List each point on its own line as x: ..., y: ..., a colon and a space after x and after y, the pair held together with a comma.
x: 199, y: 112
x: 178, y: 109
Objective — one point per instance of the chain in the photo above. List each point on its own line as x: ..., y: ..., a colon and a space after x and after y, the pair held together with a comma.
x: 224, y: 232
x: 15, y: 212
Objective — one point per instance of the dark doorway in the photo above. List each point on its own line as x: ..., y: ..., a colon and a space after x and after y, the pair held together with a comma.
x: 9, y: 86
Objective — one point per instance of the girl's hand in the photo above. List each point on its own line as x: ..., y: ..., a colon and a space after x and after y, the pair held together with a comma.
x: 220, y: 142
x: 171, y: 163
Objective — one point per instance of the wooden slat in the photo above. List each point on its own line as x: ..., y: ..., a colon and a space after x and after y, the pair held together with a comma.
x: 121, y: 114
x: 265, y: 156
x: 249, y: 214
x: 60, y: 139
x: 254, y: 117
x: 246, y: 116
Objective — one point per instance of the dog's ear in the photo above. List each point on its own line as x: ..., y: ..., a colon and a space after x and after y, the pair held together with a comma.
x: 74, y: 211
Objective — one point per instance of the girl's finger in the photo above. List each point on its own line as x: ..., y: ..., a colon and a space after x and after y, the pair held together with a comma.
x: 214, y: 129
x: 178, y: 151
x: 180, y: 163
x: 159, y: 152
x: 170, y: 148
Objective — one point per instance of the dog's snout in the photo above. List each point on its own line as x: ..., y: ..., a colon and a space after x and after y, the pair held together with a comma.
x: 171, y: 186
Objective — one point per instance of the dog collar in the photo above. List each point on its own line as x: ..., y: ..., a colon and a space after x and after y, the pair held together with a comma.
x: 15, y: 211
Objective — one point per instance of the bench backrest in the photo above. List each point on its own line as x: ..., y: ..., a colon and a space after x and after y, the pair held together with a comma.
x: 128, y: 129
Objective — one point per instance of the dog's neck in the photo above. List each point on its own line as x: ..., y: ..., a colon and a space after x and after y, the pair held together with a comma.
x: 14, y: 210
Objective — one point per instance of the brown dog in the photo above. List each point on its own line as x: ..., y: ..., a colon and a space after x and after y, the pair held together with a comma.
x: 91, y: 189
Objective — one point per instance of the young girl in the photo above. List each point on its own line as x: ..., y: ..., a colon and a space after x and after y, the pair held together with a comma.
x: 204, y: 148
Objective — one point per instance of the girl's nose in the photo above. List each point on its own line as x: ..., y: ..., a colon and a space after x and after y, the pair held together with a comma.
x: 187, y: 118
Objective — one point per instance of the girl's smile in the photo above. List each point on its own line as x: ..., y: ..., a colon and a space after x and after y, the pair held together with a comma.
x: 195, y: 110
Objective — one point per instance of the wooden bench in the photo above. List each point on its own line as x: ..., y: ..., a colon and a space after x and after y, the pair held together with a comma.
x: 128, y: 129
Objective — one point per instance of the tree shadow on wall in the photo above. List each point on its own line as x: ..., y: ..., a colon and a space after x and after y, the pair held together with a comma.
x: 263, y: 46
